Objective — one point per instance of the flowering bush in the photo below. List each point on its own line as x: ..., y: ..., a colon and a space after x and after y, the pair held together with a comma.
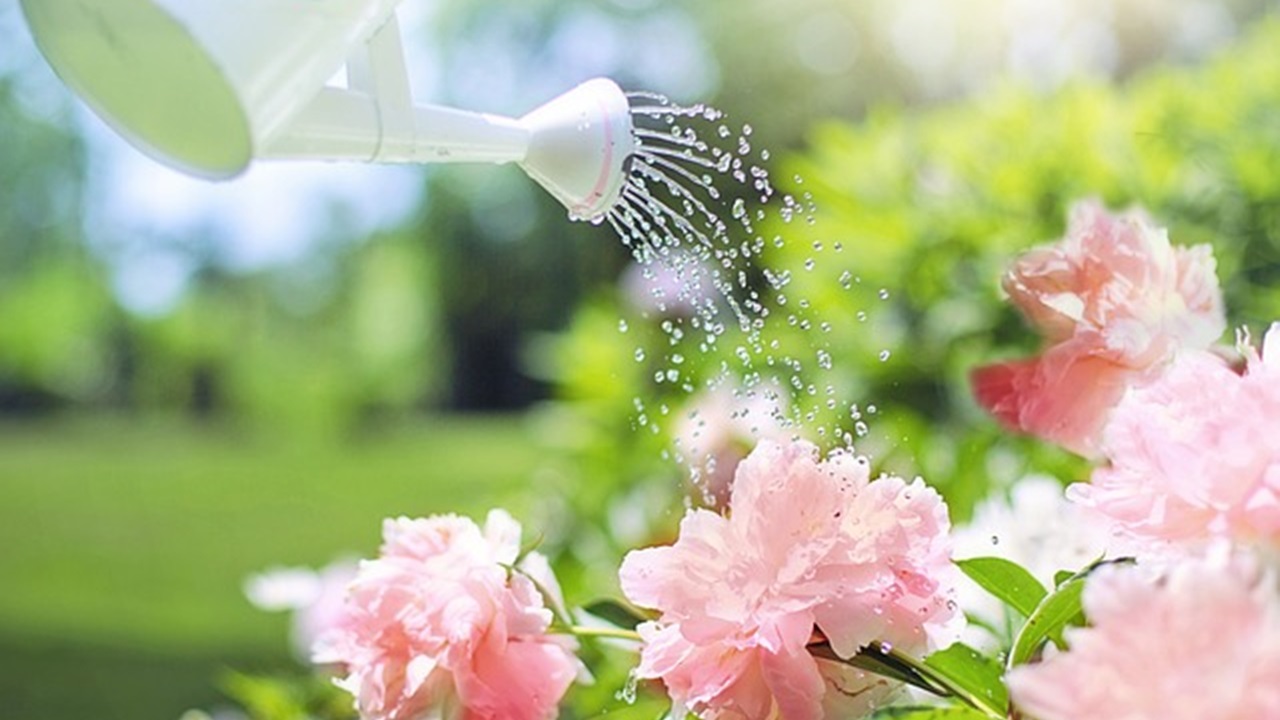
x: 817, y: 591
x: 816, y: 587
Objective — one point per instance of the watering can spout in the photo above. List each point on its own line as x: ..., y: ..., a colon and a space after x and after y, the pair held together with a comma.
x: 207, y: 86
x: 576, y: 146
x: 579, y: 147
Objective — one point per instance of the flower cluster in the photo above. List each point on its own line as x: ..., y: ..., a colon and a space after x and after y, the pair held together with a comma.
x: 811, y: 551
x: 759, y: 608
x: 1190, y: 462
x: 808, y: 589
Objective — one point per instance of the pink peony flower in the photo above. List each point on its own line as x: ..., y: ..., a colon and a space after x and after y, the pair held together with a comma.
x: 809, y: 545
x: 1116, y: 302
x: 721, y: 427
x: 438, y: 624
x: 1200, y: 642
x: 1196, y: 454
x: 316, y: 598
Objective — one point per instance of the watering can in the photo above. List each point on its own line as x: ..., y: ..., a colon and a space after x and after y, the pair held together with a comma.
x: 208, y: 86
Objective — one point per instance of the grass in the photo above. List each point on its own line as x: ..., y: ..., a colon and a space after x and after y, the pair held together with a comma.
x: 123, y: 545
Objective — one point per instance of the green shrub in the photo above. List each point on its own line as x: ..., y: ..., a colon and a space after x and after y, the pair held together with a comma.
x: 930, y: 207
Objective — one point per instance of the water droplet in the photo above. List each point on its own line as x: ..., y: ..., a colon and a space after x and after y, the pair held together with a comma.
x: 622, y: 326
x: 639, y: 354
x: 627, y: 693
x: 884, y: 293
x: 884, y: 355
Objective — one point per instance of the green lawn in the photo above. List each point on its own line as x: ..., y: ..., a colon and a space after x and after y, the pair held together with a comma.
x: 123, y: 545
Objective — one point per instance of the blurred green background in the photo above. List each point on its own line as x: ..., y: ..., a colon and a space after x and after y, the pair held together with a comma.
x: 201, y: 381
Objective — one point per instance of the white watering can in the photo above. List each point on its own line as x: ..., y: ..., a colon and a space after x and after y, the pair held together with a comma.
x: 207, y: 86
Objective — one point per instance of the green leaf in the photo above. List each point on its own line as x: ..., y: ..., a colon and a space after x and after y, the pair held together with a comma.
x: 873, y: 660
x: 925, y: 712
x: 956, y: 675
x: 1059, y: 610
x: 1055, y: 612
x: 978, y: 675
x: 1062, y: 576
x: 616, y: 613
x: 1008, y: 581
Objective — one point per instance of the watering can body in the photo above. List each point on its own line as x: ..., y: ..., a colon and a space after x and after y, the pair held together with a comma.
x: 207, y: 86
x: 204, y: 85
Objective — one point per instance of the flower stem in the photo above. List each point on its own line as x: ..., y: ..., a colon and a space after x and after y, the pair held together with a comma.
x: 602, y: 632
x: 560, y: 615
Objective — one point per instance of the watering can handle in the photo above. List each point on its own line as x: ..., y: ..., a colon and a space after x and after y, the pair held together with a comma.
x: 374, y: 119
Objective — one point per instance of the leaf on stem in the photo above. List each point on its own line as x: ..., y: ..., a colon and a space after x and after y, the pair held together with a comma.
x: 616, y: 613
x: 1059, y: 609
x: 874, y: 661
x: 1008, y: 581
x: 974, y: 673
x: 956, y: 675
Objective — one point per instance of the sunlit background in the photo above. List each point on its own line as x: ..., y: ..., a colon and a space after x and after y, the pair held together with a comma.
x: 199, y: 380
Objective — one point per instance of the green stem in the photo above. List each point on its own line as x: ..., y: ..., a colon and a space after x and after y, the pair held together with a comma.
x: 602, y: 632
x: 560, y: 615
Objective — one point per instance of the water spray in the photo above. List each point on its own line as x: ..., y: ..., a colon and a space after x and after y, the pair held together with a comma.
x: 208, y: 86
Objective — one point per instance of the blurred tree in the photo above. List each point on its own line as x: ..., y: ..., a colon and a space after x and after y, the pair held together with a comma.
x: 493, y: 260
x: 58, y: 325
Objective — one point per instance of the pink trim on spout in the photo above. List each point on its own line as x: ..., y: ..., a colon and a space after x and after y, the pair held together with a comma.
x: 605, y: 169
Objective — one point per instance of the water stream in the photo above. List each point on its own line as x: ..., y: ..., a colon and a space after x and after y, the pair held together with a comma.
x: 697, y: 206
